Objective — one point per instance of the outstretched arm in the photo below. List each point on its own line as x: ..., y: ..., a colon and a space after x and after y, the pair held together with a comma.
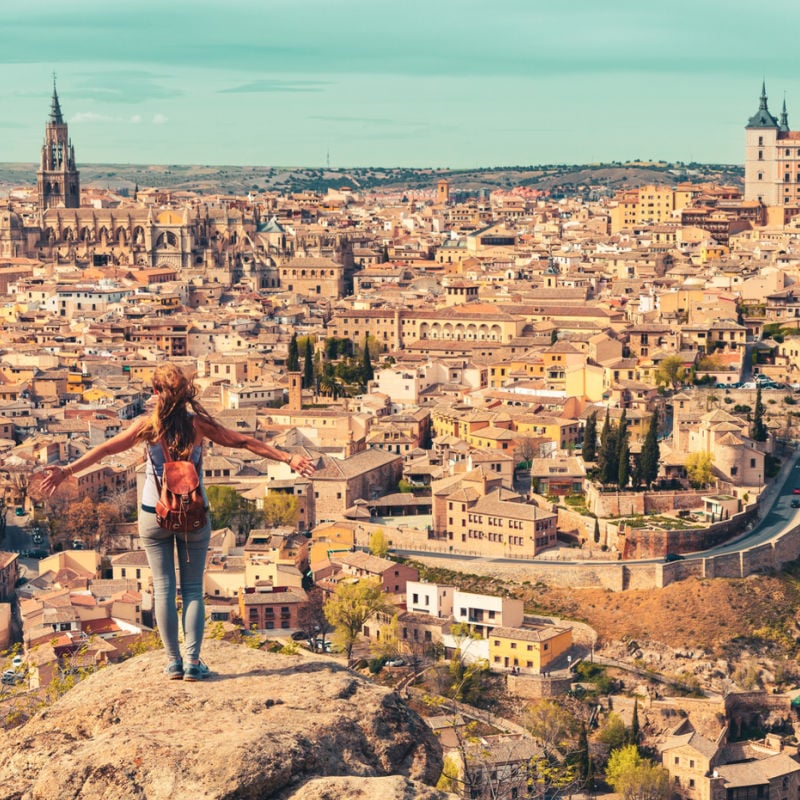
x: 124, y: 440
x: 300, y: 464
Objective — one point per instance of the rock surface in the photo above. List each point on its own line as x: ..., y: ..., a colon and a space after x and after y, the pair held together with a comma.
x: 289, y: 727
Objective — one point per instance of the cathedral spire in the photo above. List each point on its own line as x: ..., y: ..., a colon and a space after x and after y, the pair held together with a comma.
x: 55, y: 107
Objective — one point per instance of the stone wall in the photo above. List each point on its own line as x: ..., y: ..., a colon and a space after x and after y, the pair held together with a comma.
x: 537, y: 686
x: 618, y: 576
x: 616, y: 504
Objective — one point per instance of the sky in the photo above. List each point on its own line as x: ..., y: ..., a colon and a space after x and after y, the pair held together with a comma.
x: 416, y: 83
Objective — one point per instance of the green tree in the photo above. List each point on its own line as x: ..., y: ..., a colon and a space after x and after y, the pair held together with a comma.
x: 367, y: 372
x: 759, y: 429
x: 651, y: 453
x: 596, y: 531
x: 308, y: 365
x: 351, y: 605
x: 230, y: 510
x: 699, y: 469
x: 293, y: 360
x: 671, y: 372
x: 590, y: 438
x: 378, y: 545
x: 635, y: 731
x: 388, y: 643
x: 608, y: 457
x: 623, y: 453
x: 636, y: 778
x: 613, y: 734
x: 280, y: 509
x: 552, y: 724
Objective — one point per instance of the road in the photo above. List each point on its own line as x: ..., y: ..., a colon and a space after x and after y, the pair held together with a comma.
x: 19, y: 539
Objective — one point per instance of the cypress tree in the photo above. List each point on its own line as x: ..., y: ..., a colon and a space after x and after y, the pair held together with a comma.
x: 635, y: 732
x: 293, y: 361
x: 623, y: 460
x: 596, y: 531
x: 609, y: 452
x: 308, y: 365
x: 367, y: 373
x: 590, y: 438
x: 759, y: 429
x: 651, y: 452
x: 623, y: 452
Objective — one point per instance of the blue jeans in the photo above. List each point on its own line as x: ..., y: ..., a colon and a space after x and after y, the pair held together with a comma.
x: 160, y: 545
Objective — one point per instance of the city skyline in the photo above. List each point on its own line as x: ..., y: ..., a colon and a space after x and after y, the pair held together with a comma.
x: 353, y: 83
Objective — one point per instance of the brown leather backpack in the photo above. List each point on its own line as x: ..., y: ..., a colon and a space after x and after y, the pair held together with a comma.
x: 181, y: 506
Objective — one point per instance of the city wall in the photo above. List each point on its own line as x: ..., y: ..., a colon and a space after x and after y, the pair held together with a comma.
x: 623, y: 575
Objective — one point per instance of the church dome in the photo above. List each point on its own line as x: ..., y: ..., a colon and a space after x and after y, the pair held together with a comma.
x: 10, y: 221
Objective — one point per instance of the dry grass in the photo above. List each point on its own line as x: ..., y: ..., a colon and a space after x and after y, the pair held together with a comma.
x: 719, y: 615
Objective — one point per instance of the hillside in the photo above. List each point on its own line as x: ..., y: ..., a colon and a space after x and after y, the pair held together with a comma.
x: 718, y: 615
x: 561, y: 179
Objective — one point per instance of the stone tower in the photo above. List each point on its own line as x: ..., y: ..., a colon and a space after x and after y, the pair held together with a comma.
x: 58, y: 181
x: 442, y: 193
x: 769, y: 173
x: 295, y: 391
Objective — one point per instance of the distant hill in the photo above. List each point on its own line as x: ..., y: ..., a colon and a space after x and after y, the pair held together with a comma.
x: 559, y: 179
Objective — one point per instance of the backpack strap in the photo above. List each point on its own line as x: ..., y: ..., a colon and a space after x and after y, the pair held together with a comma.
x: 167, y: 456
x: 155, y: 471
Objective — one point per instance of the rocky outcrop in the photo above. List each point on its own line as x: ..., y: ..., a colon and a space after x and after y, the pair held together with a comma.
x: 264, y: 726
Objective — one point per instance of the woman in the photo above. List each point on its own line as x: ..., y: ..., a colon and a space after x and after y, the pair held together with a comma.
x: 179, y: 422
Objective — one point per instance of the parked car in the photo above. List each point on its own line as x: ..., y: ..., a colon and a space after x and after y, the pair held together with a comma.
x: 796, y: 490
x: 16, y: 661
x: 673, y: 557
x: 11, y: 676
x: 299, y: 636
x: 19, y: 511
x: 796, y: 502
x: 395, y: 662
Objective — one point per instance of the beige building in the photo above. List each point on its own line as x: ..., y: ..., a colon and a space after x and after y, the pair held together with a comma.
x: 478, y: 516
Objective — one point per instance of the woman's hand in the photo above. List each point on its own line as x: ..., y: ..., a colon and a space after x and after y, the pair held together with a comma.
x: 302, y: 465
x: 53, y: 477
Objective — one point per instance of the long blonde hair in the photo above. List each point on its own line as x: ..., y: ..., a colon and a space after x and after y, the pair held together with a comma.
x: 171, y: 420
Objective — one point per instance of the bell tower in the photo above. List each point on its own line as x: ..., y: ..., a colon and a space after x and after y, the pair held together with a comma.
x: 57, y: 180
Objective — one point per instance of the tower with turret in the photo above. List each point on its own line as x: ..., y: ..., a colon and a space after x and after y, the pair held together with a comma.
x: 772, y: 157
x: 57, y: 180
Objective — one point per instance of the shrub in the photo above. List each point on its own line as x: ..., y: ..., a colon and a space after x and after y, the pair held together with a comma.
x: 376, y: 664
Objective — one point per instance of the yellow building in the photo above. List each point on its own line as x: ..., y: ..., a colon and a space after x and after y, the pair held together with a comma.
x: 645, y: 205
x: 531, y: 649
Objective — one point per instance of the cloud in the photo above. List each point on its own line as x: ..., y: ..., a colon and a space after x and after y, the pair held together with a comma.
x: 270, y: 85
x: 159, y: 119
x: 136, y: 119
x: 89, y: 116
